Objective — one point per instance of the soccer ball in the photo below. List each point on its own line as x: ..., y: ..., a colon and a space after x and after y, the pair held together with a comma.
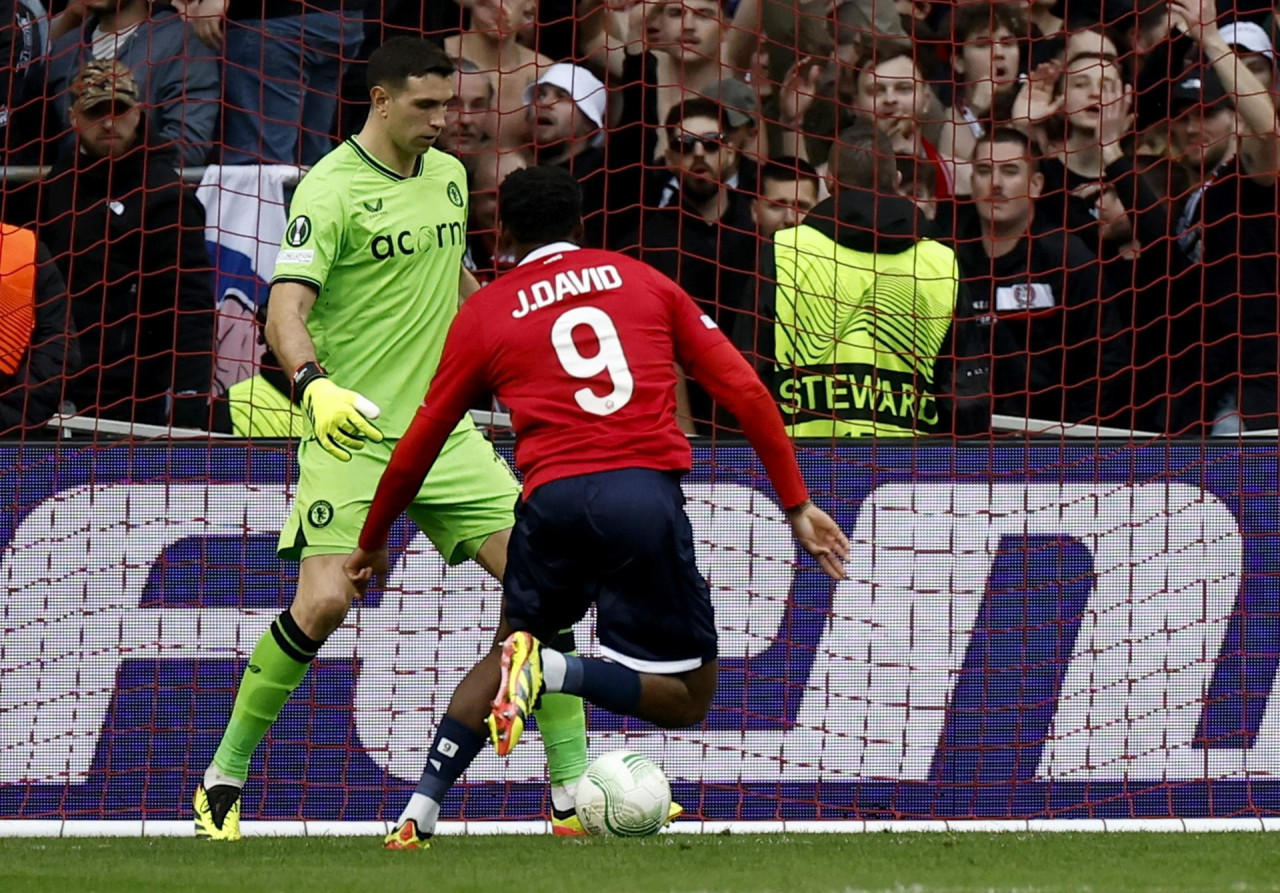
x: 623, y: 794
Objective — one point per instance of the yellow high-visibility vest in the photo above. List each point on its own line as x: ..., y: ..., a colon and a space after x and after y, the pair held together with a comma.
x: 857, y: 335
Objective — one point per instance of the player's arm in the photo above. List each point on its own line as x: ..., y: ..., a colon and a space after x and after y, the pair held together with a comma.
x: 288, y: 306
x: 716, y: 364
x: 314, y: 239
x: 460, y: 380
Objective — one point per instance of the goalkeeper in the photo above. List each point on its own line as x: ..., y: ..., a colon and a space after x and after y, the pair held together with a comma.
x: 365, y: 287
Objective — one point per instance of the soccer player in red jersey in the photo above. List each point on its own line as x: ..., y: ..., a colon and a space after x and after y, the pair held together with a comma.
x: 582, y: 346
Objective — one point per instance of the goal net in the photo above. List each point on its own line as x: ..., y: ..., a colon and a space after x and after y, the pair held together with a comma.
x: 1009, y: 272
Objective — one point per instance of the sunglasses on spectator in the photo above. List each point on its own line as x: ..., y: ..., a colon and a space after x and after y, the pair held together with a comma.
x: 710, y: 142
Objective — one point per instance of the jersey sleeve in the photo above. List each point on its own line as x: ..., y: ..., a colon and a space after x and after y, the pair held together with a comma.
x: 314, y: 234
x: 732, y: 383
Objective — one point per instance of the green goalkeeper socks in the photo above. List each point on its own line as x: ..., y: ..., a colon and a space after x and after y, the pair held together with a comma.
x: 562, y: 722
x: 276, y: 667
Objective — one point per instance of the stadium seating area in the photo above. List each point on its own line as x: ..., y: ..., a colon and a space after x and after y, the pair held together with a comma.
x: 915, y: 217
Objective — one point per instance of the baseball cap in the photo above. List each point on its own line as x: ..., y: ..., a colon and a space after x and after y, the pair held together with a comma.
x: 102, y: 81
x: 585, y: 88
x: 1249, y: 37
x: 737, y: 98
x: 1200, y: 87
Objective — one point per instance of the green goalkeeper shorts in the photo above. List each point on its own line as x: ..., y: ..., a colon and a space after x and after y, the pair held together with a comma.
x: 469, y: 494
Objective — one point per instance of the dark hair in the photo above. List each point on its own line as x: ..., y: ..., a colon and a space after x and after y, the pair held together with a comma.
x: 862, y: 158
x: 696, y: 107
x: 1014, y: 137
x: 917, y: 172
x: 401, y: 58
x: 886, y: 51
x: 788, y: 169
x: 540, y: 204
x: 971, y: 19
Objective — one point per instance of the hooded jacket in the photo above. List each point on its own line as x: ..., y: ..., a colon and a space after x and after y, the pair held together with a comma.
x: 862, y: 300
x: 129, y: 238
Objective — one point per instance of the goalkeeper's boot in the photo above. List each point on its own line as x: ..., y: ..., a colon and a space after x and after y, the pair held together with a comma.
x: 407, y: 837
x: 519, y: 691
x: 567, y: 823
x: 217, y: 812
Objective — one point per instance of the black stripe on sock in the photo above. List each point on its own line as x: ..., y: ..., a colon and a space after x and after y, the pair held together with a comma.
x: 286, y: 646
x: 564, y: 642
x: 292, y: 640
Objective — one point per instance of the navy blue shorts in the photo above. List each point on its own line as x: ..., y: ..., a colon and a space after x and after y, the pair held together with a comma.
x: 621, y: 540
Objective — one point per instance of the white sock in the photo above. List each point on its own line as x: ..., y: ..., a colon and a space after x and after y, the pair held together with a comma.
x: 423, y: 810
x: 214, y: 776
x: 553, y: 669
x: 562, y: 797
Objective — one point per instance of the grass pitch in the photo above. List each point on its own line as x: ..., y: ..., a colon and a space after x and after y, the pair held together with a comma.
x: 903, y: 863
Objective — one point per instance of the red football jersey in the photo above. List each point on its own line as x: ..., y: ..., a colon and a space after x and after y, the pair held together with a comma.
x: 581, y: 345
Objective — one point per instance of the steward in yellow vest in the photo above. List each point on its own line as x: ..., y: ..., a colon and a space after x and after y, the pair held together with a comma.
x: 862, y: 304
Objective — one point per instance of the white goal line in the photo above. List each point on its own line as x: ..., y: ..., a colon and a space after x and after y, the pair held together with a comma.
x: 377, y: 830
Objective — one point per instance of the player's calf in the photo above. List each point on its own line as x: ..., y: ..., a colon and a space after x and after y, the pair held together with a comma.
x: 669, y: 700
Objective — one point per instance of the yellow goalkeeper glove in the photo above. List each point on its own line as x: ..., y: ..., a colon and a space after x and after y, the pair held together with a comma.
x: 340, y: 418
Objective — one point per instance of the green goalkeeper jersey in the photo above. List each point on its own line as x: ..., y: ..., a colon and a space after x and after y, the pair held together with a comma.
x: 385, y: 252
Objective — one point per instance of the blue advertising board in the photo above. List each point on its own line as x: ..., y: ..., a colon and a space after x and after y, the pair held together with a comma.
x: 1027, y: 631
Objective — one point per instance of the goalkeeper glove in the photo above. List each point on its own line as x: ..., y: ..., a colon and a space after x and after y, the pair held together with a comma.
x: 339, y: 417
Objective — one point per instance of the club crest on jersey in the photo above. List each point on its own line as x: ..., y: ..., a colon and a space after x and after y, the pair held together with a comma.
x: 571, y: 283
x: 320, y: 515
x: 299, y: 231
x: 455, y: 194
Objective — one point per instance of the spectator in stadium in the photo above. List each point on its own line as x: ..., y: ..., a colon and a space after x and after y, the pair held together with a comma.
x: 862, y: 305
x: 1056, y: 349
x: 661, y: 51
x: 742, y: 134
x: 893, y: 95
x: 1251, y: 44
x: 129, y: 238
x: 177, y: 74
x: 23, y: 59
x: 37, y: 344
x: 488, y: 171
x: 985, y: 65
x: 705, y: 240
x: 283, y: 63
x: 788, y: 192
x: 742, y: 113
x: 919, y: 183
x: 471, y: 117
x: 491, y: 41
x: 1092, y: 189
x: 1232, y: 217
x: 565, y: 115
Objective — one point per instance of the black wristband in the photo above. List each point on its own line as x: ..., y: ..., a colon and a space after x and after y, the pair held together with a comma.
x: 303, y: 376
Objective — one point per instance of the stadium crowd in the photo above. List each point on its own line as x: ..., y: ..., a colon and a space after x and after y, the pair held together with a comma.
x: 912, y: 216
